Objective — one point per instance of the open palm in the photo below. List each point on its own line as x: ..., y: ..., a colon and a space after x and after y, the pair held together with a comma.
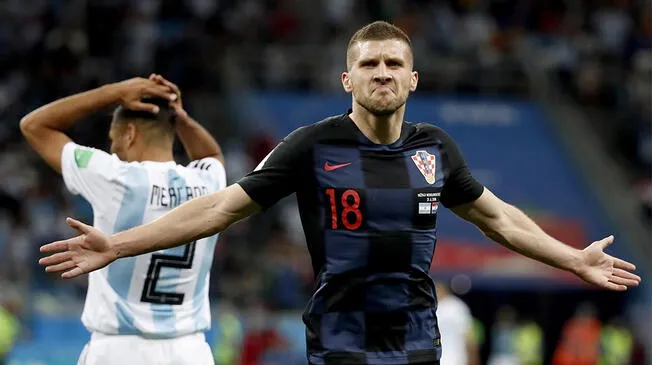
x: 78, y: 255
x: 601, y: 269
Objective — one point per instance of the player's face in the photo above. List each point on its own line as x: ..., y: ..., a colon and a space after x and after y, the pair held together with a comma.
x: 381, y: 76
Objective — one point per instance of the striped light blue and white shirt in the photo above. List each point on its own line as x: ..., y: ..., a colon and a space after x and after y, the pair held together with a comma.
x: 163, y: 294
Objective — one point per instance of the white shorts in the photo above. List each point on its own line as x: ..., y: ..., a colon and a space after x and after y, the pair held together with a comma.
x: 122, y: 350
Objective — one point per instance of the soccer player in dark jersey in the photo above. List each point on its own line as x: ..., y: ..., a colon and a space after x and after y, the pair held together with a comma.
x: 369, y: 186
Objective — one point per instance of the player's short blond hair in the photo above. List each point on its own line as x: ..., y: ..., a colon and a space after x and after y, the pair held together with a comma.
x: 376, y: 31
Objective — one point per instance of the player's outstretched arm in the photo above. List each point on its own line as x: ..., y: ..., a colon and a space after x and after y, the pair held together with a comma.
x: 44, y: 127
x: 195, y: 219
x: 510, y: 227
x: 196, y: 140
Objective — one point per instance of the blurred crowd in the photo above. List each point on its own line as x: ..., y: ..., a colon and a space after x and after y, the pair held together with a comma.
x: 509, y: 336
x: 598, y: 51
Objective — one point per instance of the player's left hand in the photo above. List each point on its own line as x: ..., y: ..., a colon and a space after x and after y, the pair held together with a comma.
x: 79, y: 255
x: 601, y: 269
x: 177, y: 104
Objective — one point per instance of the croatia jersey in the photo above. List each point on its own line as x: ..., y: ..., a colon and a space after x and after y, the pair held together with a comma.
x: 369, y: 214
x: 162, y: 294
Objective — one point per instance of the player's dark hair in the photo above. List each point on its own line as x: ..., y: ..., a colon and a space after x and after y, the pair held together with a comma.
x: 376, y: 31
x: 163, y: 120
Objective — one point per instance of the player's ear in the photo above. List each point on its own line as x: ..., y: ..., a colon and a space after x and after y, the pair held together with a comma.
x: 131, y: 132
x: 346, y: 82
x: 414, y: 80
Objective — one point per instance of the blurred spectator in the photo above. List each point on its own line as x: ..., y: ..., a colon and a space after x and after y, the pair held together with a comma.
x: 459, y: 346
x: 228, y: 337
x: 528, y: 343
x: 10, y: 308
x: 502, y: 332
x: 261, y: 336
x: 580, y: 339
x: 613, y: 23
x: 616, y: 343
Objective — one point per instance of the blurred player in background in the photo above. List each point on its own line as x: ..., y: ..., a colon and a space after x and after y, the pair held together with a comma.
x: 151, y: 309
x: 369, y: 186
x: 10, y: 308
x: 455, y: 322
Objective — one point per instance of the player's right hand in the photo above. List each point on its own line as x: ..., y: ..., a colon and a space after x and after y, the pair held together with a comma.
x: 79, y: 255
x: 132, y: 91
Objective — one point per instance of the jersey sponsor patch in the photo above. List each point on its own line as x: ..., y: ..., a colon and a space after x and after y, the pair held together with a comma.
x: 435, y: 206
x: 426, y: 164
x: 82, y: 157
x: 428, y: 202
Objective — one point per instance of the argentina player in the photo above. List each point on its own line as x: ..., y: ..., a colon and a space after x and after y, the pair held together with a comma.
x: 150, y: 309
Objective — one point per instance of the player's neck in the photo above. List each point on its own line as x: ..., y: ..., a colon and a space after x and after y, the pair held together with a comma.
x: 379, y: 130
x: 152, y: 153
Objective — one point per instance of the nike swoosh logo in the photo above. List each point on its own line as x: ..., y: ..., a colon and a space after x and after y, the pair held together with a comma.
x: 329, y: 167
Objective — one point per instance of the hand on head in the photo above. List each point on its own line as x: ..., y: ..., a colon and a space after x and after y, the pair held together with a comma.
x: 132, y: 92
x: 176, y: 104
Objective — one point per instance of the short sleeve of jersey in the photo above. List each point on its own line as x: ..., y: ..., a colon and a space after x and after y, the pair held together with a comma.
x: 279, y: 173
x: 210, y: 170
x: 459, y: 186
x: 89, y: 172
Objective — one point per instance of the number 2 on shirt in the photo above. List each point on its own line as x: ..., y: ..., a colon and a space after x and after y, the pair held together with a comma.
x: 349, y: 215
x: 159, y: 261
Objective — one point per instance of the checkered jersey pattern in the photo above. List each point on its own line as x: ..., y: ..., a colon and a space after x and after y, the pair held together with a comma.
x: 376, y: 302
x: 370, y: 243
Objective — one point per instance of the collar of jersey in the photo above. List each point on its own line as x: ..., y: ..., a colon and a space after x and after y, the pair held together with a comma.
x: 366, y: 141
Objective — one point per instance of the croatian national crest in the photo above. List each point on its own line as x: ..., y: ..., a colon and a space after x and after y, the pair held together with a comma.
x: 426, y: 164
